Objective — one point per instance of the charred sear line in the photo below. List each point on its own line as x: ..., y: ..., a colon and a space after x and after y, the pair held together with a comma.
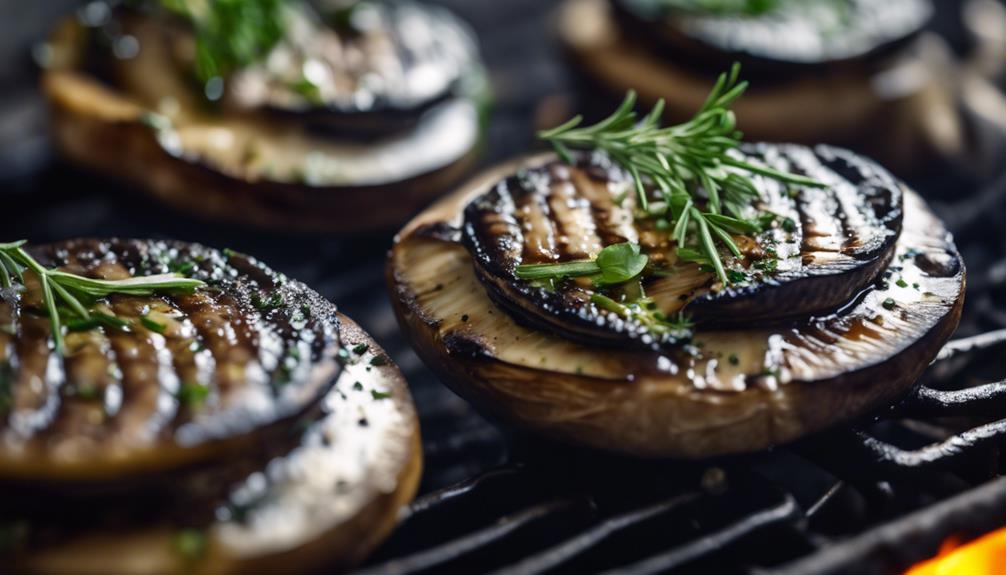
x: 818, y: 247
x: 162, y: 362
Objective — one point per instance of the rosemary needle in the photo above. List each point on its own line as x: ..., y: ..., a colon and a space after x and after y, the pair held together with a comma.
x: 73, y: 291
x: 704, y: 184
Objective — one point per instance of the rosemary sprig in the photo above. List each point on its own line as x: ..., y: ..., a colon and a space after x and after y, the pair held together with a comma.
x: 704, y: 186
x: 77, y: 292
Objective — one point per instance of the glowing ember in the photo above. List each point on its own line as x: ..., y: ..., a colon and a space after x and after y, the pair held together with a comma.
x: 983, y: 556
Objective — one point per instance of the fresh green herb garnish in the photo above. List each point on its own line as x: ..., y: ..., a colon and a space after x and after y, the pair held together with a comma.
x: 704, y: 186
x: 307, y: 89
x: 77, y: 292
x: 615, y: 264
x: 751, y: 8
x: 736, y: 276
x: 268, y: 302
x: 380, y: 394
x: 87, y: 391
x: 152, y: 325
x: 768, y: 265
x: 97, y: 320
x: 192, y: 394
x: 644, y: 312
x: 230, y: 34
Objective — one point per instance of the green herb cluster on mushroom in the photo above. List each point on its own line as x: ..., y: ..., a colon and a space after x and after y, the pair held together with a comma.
x: 690, y: 182
x: 230, y: 34
x: 749, y: 7
x: 68, y: 299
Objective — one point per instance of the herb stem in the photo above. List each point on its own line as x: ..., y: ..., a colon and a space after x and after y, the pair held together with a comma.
x: 569, y: 269
x: 72, y: 289
x: 691, y: 165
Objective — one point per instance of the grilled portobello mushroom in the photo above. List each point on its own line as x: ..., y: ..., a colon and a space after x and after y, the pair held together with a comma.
x: 728, y: 389
x: 624, y: 44
x: 777, y: 38
x: 820, y: 246
x: 335, y: 129
x: 243, y: 427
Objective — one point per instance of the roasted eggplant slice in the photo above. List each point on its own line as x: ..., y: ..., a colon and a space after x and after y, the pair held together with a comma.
x: 335, y: 492
x: 354, y: 160
x: 727, y: 391
x: 820, y: 246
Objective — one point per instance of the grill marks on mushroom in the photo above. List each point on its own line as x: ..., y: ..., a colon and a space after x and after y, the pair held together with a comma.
x: 826, y: 246
x: 246, y: 140
x: 392, y: 57
x: 330, y: 491
x: 733, y: 390
x: 795, y: 34
x: 184, y: 370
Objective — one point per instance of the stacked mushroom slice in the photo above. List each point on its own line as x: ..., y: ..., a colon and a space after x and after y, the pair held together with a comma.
x: 350, y: 122
x: 246, y: 427
x: 824, y: 69
x: 833, y: 309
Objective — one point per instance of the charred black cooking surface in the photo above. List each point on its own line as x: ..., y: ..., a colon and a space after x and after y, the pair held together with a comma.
x: 177, y: 376
x: 822, y: 247
x: 796, y: 34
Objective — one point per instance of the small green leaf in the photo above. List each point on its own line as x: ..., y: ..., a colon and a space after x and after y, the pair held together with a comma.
x: 620, y: 263
x: 192, y: 394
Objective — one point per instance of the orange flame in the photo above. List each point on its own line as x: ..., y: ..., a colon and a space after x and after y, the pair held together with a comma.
x: 983, y: 556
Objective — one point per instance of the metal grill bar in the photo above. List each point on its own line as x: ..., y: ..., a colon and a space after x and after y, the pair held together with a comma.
x: 897, y: 545
x: 720, y: 540
x: 570, y: 548
x: 987, y: 399
x: 477, y: 541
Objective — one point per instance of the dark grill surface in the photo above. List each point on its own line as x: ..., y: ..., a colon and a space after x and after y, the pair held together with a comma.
x: 872, y: 498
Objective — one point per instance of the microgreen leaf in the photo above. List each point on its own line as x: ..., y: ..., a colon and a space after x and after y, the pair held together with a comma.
x: 620, y: 262
x: 615, y: 264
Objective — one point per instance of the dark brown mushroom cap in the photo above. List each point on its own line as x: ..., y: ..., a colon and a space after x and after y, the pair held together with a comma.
x: 139, y: 120
x: 826, y: 246
x: 187, y: 376
x: 733, y: 391
x: 392, y: 58
x: 789, y: 40
x: 330, y: 496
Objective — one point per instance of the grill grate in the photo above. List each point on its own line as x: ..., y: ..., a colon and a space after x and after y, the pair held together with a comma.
x: 869, y: 499
x: 552, y: 509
